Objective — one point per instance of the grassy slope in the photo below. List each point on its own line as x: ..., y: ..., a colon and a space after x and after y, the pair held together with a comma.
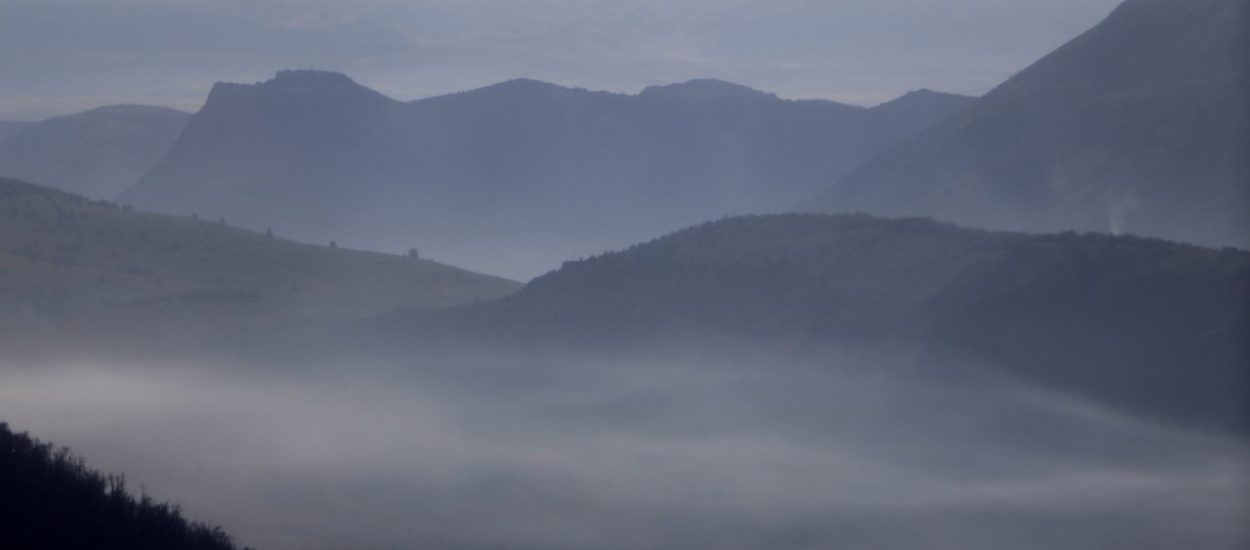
x: 64, y: 257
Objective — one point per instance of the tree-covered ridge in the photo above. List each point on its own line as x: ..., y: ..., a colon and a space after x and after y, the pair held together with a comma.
x: 814, y: 271
x: 1144, y: 323
x: 50, y: 500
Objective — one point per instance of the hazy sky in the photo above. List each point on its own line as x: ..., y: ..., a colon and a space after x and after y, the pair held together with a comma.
x: 59, y: 56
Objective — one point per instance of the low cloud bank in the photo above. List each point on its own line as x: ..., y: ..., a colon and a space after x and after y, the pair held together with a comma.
x: 748, y: 452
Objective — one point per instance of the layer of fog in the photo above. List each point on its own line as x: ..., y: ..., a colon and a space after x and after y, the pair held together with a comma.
x: 644, y: 453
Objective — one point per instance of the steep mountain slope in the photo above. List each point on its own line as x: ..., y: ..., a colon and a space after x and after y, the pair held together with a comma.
x: 917, y: 111
x: 66, y: 259
x: 1141, y: 125
x: 49, y: 500
x: 98, y: 153
x: 1142, y: 323
x: 522, y: 173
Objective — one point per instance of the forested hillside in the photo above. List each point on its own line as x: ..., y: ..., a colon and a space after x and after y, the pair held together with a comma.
x: 1143, y: 323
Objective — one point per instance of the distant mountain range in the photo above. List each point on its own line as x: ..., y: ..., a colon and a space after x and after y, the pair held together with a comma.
x: 516, y: 177
x: 1141, y: 125
x: 1145, y: 324
x: 68, y: 261
x: 97, y: 153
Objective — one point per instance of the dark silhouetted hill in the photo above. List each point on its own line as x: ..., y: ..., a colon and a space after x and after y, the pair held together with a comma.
x: 511, y: 178
x: 1143, y: 323
x: 98, y: 153
x: 1141, y: 125
x: 69, y: 260
x: 50, y: 500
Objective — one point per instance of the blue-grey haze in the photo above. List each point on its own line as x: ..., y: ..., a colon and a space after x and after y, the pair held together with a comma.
x: 64, y: 56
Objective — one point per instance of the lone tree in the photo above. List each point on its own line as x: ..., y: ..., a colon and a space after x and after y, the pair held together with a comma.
x: 334, y: 244
x: 412, y: 253
x: 269, y: 232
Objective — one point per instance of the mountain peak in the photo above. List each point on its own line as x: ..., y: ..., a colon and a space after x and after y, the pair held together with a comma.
x: 527, y: 85
x: 310, y: 77
x: 319, y: 82
x: 705, y: 89
x: 924, y: 96
x: 304, y: 82
x: 922, y: 93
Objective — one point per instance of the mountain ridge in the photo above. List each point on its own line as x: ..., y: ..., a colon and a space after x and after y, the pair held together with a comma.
x: 1041, y: 307
x: 521, y: 173
x: 72, y: 264
x: 705, y: 89
x: 98, y: 153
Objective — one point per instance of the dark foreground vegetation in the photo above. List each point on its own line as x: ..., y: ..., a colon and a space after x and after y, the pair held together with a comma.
x: 50, y: 500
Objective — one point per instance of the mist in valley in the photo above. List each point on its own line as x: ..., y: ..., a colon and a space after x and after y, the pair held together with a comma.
x: 749, y: 449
